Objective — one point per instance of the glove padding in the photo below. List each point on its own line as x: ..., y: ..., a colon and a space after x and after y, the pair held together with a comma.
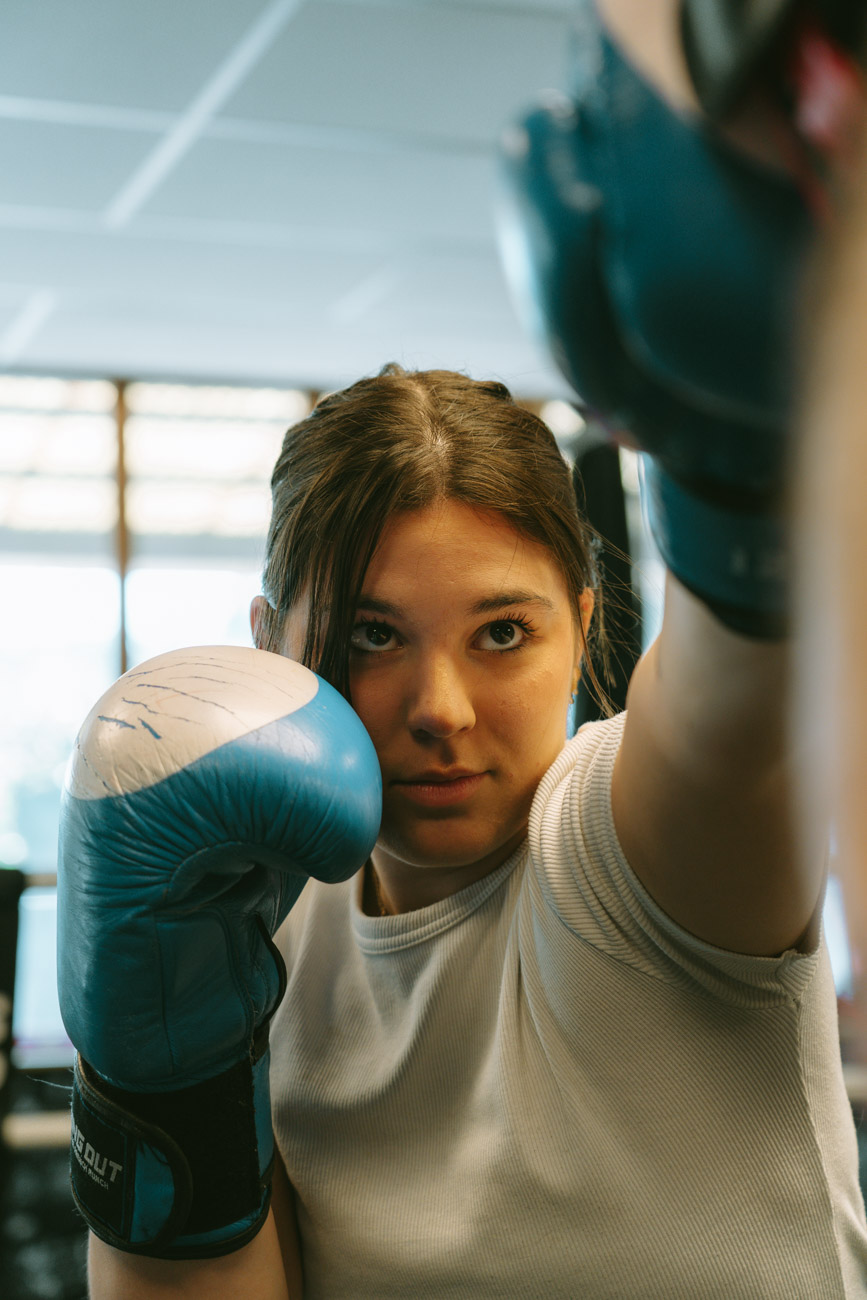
x: 205, y: 787
x: 662, y: 267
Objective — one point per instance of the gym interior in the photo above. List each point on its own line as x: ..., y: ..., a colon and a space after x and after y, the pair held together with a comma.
x: 213, y: 213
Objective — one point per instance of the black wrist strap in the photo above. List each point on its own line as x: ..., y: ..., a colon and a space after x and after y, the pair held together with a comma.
x: 176, y: 1175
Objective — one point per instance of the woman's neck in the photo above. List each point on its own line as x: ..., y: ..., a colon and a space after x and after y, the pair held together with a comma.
x: 391, y: 886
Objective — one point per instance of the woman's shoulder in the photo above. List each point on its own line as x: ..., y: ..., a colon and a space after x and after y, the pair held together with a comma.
x: 587, y: 883
x: 592, y: 749
x: 574, y: 796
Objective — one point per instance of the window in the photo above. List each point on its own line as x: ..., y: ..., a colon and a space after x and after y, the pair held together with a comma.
x: 132, y: 521
x: 198, y: 464
x: 60, y: 594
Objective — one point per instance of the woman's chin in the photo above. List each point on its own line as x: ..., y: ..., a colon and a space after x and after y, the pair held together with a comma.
x: 447, y: 850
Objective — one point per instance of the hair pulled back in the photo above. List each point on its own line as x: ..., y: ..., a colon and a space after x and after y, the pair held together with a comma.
x: 399, y: 441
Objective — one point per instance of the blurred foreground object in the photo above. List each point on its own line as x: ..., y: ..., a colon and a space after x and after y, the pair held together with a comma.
x: 663, y: 268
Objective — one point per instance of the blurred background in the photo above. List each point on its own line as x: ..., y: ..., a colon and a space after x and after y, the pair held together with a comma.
x: 212, y: 211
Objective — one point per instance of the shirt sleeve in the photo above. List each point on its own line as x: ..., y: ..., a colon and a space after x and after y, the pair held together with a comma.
x: 585, y: 879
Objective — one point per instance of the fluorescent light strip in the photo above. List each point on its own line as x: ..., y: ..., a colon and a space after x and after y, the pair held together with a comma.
x: 24, y: 326
x: 15, y: 108
x: 365, y: 296
x: 189, y: 127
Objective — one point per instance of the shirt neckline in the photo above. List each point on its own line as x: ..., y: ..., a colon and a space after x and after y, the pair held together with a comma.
x: 383, y: 934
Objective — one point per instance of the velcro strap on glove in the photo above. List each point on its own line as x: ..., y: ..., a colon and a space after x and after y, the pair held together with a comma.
x: 730, y: 553
x: 175, y: 1175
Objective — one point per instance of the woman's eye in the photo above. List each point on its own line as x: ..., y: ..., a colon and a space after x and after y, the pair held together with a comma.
x: 372, y: 637
x: 503, y: 635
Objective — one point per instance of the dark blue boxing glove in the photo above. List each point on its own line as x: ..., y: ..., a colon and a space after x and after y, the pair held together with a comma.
x: 663, y: 268
x: 205, y: 787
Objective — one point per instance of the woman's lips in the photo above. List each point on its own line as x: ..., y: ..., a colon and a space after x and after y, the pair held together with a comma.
x: 439, y: 792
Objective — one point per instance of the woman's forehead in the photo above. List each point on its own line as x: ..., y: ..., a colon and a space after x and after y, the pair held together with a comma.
x: 457, y: 549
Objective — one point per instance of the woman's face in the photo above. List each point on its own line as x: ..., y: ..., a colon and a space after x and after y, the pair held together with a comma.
x: 464, y: 658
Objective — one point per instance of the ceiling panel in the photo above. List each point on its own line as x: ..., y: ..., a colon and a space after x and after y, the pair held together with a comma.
x: 92, y: 263
x: 153, y: 55
x: 67, y: 166
x: 13, y: 299
x: 405, y: 194
x: 250, y: 189
x: 436, y: 283
x: 438, y: 71
x: 249, y: 344
x: 538, y: 8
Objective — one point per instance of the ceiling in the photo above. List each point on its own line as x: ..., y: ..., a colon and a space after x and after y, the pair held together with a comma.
x: 277, y: 191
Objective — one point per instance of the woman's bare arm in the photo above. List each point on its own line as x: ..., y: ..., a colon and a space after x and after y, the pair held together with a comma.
x: 254, y: 1270
x: 831, y: 572
x: 268, y: 1267
x: 702, y: 791
x: 283, y: 1209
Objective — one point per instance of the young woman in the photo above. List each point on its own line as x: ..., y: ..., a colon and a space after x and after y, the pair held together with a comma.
x: 571, y: 1030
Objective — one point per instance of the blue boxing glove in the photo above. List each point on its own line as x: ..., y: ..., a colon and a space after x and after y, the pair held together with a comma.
x: 662, y: 267
x: 205, y: 787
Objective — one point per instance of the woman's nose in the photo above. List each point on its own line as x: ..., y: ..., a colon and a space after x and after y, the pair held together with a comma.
x: 440, y: 702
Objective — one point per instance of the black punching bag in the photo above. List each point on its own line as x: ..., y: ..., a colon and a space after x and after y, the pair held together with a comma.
x: 599, y: 493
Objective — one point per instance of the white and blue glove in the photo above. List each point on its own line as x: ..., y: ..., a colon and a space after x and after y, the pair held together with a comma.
x: 205, y: 787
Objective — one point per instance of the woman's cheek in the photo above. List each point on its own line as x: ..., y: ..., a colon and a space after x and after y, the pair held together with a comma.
x: 371, y: 690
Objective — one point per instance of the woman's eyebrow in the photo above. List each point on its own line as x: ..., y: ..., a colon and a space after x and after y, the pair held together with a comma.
x: 378, y: 606
x: 487, y: 605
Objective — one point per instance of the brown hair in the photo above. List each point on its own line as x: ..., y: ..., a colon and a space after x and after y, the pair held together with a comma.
x: 400, y: 441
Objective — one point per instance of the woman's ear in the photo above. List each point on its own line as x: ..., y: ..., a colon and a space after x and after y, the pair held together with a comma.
x: 586, y: 606
x: 258, y: 606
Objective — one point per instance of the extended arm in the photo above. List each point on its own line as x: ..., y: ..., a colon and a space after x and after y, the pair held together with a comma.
x: 702, y: 789
x: 659, y: 255
x: 831, y: 531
